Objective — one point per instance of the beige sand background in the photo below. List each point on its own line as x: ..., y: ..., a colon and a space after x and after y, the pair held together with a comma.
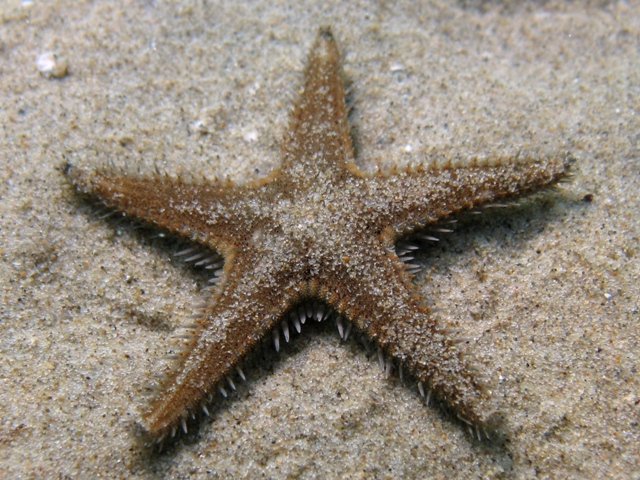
x: 547, y: 293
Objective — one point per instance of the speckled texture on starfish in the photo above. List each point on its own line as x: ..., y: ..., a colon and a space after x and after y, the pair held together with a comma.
x: 321, y: 233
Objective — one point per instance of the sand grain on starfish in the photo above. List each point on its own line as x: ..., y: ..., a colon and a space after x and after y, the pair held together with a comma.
x: 315, y: 238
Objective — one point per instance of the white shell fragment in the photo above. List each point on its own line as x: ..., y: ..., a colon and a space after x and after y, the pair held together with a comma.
x: 51, y: 64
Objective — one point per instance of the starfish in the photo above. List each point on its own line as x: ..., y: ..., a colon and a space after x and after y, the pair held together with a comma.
x: 315, y: 238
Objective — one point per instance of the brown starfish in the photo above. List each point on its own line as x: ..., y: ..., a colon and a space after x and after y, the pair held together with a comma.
x: 315, y: 237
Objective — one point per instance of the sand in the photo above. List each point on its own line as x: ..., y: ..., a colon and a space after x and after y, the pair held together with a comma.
x: 546, y: 292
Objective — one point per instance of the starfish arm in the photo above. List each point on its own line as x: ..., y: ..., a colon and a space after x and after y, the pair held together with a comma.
x: 384, y: 304
x: 318, y: 134
x: 413, y: 198
x: 245, y: 308
x: 208, y: 213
